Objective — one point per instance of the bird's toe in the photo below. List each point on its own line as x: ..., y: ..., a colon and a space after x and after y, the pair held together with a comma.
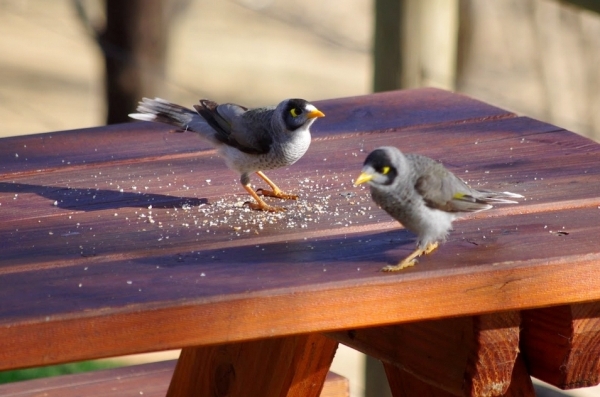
x: 263, y: 207
x: 400, y: 266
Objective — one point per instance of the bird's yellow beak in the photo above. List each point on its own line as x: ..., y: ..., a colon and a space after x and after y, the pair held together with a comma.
x: 362, y: 178
x: 315, y: 113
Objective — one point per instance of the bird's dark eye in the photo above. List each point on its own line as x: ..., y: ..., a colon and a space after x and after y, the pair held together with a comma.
x: 295, y: 112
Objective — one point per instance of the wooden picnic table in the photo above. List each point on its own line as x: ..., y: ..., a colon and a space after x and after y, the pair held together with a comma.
x: 128, y: 239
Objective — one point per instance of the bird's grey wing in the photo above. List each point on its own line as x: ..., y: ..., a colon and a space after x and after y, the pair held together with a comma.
x: 444, y: 191
x: 253, y: 129
x: 228, y: 122
x: 222, y: 125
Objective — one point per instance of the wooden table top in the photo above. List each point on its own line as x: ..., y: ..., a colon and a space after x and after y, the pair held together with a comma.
x: 128, y: 238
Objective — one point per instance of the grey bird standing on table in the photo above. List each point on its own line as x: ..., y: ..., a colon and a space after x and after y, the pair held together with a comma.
x: 250, y: 140
x: 422, y: 195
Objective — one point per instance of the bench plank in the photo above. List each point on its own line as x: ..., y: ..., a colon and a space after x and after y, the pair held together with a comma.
x: 144, y: 380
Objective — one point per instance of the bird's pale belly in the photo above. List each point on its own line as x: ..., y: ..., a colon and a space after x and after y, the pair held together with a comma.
x: 428, y: 224
x: 248, y: 163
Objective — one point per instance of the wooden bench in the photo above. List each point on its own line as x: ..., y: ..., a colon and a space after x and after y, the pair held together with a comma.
x: 147, y: 380
x: 128, y: 239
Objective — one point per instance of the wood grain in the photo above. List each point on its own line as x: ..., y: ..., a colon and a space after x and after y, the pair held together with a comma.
x: 471, y: 356
x: 520, y: 384
x: 404, y: 384
x: 128, y: 239
x: 562, y: 344
x: 295, y: 366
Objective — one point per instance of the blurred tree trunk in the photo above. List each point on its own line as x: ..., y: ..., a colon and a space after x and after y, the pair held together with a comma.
x: 134, y: 45
x: 415, y: 44
x: 592, y: 5
x: 387, y: 46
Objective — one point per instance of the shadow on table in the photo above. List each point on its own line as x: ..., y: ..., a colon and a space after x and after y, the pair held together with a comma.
x: 93, y: 199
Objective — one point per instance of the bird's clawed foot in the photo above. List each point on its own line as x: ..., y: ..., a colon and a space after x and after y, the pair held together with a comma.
x: 275, y: 191
x: 402, y: 265
x: 430, y: 248
x: 411, y: 260
x: 262, y: 206
x: 277, y: 194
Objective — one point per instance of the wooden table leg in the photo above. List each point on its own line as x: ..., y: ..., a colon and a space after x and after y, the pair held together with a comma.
x: 403, y: 384
x: 294, y: 366
x: 470, y: 356
x: 561, y: 345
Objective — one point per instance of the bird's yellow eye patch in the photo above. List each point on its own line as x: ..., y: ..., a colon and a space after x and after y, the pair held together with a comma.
x: 294, y: 112
x: 385, y: 170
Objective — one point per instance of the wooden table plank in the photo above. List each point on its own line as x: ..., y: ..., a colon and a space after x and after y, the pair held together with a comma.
x: 85, y: 205
x: 516, y: 237
x: 172, y: 181
x: 103, y: 273
x: 122, y: 305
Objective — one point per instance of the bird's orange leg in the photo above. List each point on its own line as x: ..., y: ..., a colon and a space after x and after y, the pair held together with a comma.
x: 411, y: 260
x: 275, y: 192
x: 260, y: 205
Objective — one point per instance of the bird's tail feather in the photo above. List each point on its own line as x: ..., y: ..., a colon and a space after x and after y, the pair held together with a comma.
x: 497, y: 200
x: 500, y: 197
x: 513, y: 195
x: 162, y: 111
x: 481, y: 200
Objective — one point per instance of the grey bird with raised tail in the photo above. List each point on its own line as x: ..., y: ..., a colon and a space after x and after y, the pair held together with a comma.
x: 250, y: 140
x: 423, y: 196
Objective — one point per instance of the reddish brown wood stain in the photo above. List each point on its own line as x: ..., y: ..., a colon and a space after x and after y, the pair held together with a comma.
x: 88, y: 269
x: 292, y: 367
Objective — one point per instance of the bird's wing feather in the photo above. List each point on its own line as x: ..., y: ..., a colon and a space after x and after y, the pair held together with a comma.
x: 208, y: 110
x: 259, y: 121
x: 443, y: 190
x: 227, y: 121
